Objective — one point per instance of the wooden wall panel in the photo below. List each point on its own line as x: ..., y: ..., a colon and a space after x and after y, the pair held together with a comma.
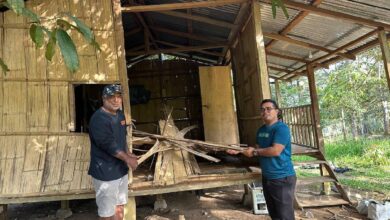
x: 102, y: 18
x: 37, y: 107
x: 14, y: 106
x: 107, y: 64
x: 16, y: 64
x: 59, y: 115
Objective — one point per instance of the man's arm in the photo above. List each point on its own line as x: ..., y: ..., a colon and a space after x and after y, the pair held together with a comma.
x: 131, y: 161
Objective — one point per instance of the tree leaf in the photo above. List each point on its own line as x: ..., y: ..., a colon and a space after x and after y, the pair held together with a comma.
x: 3, y: 66
x: 82, y: 28
x: 64, y: 24
x: 274, y: 4
x: 28, y: 13
x: 16, y: 6
x: 36, y: 34
x: 51, y: 46
x: 284, y: 9
x: 68, y: 50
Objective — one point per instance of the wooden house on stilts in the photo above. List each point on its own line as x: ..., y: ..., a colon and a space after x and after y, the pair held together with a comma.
x: 210, y: 60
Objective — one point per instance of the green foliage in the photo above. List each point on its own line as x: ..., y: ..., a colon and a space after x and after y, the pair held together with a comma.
x: 360, y: 153
x: 41, y: 34
x: 68, y: 50
x: 278, y: 3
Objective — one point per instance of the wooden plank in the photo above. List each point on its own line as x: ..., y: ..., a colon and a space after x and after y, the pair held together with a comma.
x: 219, y: 117
x: 182, y: 5
x: 320, y: 200
x: 180, y: 46
x: 334, y: 14
x: 37, y: 107
x: 180, y: 49
x: 107, y: 59
x: 201, y: 19
x: 384, y: 44
x: 16, y: 64
x: 102, y: 15
x: 14, y: 106
x: 59, y: 116
x: 315, y: 109
x: 209, y: 39
x: 13, y: 157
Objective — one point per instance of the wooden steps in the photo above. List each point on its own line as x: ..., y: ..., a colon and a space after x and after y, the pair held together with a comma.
x: 325, y: 177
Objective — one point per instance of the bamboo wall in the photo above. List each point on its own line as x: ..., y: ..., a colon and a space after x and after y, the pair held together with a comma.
x: 173, y: 83
x: 246, y: 81
x: 38, y: 151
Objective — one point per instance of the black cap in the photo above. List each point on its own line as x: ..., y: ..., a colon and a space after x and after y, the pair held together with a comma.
x: 110, y: 90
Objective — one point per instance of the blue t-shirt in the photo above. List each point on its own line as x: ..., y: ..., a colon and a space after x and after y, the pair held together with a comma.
x: 107, y: 133
x: 279, y: 166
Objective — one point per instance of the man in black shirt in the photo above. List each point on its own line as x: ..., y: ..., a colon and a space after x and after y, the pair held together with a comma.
x: 110, y: 157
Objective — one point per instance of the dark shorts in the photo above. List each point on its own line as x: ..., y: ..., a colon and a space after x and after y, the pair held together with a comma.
x: 279, y: 196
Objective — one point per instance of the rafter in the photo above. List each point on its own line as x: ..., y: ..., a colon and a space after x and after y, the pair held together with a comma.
x: 132, y: 32
x: 182, y: 5
x: 238, y: 21
x: 214, y: 40
x: 288, y: 57
x: 181, y: 46
x: 293, y: 23
x: 305, y: 44
x: 172, y: 50
x: 197, y: 18
x: 334, y: 14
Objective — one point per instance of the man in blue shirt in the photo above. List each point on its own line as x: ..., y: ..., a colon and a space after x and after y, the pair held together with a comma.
x: 274, y: 152
x: 110, y: 157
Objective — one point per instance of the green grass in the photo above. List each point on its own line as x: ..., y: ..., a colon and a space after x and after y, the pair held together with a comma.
x: 369, y: 160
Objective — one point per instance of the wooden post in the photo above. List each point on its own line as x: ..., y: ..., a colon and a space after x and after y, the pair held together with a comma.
x: 385, y: 53
x: 316, y: 121
x: 130, y: 207
x: 315, y: 108
x: 277, y: 93
x: 261, y: 61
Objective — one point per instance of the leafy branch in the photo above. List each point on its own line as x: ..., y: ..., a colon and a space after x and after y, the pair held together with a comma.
x: 54, y: 35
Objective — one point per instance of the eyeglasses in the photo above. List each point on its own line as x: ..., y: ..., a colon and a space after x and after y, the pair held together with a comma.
x: 268, y: 109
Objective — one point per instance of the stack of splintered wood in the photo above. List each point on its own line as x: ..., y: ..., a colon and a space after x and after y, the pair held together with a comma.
x: 175, y: 159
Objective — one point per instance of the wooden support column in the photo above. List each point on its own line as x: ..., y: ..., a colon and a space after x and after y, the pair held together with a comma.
x: 261, y: 61
x: 316, y: 121
x: 130, y: 207
x: 385, y: 54
x: 277, y: 93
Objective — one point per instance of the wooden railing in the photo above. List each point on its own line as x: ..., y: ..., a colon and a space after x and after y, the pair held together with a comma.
x: 300, y: 121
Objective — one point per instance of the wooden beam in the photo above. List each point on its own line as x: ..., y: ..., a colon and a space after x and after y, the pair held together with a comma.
x: 182, y: 5
x: 293, y: 23
x: 305, y: 44
x: 315, y: 108
x: 146, y: 28
x: 213, y: 40
x: 181, y: 49
x: 190, y: 29
x: 193, y: 58
x: 181, y: 46
x: 261, y: 59
x: 134, y: 31
x: 197, y: 18
x: 239, y: 22
x: 334, y: 14
x: 136, y: 48
x: 277, y: 93
x: 279, y: 69
x: 384, y: 44
x: 146, y: 40
x: 344, y: 47
x: 287, y: 57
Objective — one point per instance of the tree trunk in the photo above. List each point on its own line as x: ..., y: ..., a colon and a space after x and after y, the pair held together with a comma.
x: 354, y: 127
x: 386, y: 118
x: 343, y: 125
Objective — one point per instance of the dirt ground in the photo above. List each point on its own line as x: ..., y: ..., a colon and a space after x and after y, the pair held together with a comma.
x: 220, y: 203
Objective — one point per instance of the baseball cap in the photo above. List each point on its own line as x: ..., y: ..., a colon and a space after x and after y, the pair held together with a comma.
x: 110, y: 90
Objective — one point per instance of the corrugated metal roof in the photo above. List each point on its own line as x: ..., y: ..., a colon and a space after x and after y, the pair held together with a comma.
x: 320, y: 30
